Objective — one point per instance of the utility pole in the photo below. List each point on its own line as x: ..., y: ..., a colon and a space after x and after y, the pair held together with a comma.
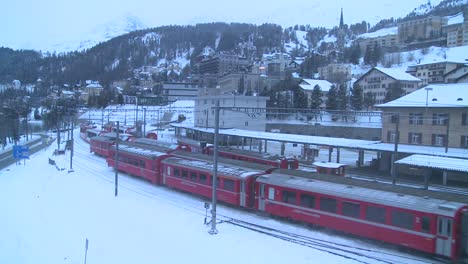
x: 72, y: 143
x: 144, y: 122
x: 213, y: 230
x: 447, y: 134
x: 395, y: 150
x: 116, y: 164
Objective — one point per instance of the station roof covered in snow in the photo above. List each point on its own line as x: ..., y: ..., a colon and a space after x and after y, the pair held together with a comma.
x: 335, y: 142
x: 434, y: 95
x: 436, y: 162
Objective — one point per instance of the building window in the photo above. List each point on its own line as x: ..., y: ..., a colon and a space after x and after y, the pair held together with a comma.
x: 440, y: 119
x: 464, y: 120
x: 414, y: 138
x: 391, y: 136
x: 438, y: 140
x: 394, y: 119
x: 416, y: 119
x: 246, y: 123
x: 464, y: 142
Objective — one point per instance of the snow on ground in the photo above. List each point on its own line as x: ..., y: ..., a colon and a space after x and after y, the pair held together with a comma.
x: 47, y: 215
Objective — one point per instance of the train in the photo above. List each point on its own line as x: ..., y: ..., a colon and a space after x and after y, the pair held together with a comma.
x: 427, y: 221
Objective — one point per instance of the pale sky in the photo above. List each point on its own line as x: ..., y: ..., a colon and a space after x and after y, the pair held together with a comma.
x: 39, y: 23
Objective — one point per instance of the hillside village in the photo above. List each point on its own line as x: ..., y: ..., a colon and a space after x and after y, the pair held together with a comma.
x: 331, y: 78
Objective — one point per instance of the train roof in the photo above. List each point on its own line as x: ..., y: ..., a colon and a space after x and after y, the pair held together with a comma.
x: 154, y: 142
x: 207, y: 166
x: 102, y: 139
x: 142, y: 150
x: 373, y: 192
x: 265, y: 156
x: 233, y: 162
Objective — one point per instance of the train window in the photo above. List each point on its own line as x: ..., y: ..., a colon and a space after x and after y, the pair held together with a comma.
x: 403, y: 219
x: 168, y: 171
x: 426, y: 224
x: 351, y: 209
x: 289, y: 197
x: 203, y: 178
x: 184, y: 174
x: 193, y: 176
x: 271, y: 193
x: 375, y: 214
x: 328, y: 204
x: 142, y: 164
x: 176, y: 172
x: 307, y: 200
x: 218, y: 181
x: 229, y: 184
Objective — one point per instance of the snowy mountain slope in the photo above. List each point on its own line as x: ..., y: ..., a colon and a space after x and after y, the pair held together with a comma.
x: 101, y: 33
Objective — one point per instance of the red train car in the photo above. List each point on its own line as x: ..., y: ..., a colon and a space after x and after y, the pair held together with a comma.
x: 101, y: 145
x: 255, y: 157
x: 427, y: 221
x: 235, y: 184
x: 137, y: 161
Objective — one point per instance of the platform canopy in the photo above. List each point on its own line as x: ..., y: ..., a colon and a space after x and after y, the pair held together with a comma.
x: 435, y: 162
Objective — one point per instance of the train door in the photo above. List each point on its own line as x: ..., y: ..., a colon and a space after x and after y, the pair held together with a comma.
x: 444, y: 236
x: 464, y: 235
x: 242, y: 193
x: 261, y: 198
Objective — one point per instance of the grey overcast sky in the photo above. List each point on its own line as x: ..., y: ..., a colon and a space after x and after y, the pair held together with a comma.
x: 31, y: 23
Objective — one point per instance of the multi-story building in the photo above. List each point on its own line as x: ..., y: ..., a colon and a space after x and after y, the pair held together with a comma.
x: 458, y: 75
x: 436, y: 115
x: 308, y: 86
x: 379, y: 80
x: 457, y: 33
x: 276, y: 64
x: 335, y: 72
x: 247, y: 82
x: 429, y: 28
x: 386, y: 38
x: 246, y: 112
x: 433, y: 72
x: 173, y: 91
x: 222, y: 64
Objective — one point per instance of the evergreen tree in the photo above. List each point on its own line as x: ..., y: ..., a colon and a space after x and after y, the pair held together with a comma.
x: 316, y: 98
x: 300, y: 98
x: 342, y: 96
x: 369, y: 100
x: 332, y: 99
x: 395, y: 91
x: 357, y: 98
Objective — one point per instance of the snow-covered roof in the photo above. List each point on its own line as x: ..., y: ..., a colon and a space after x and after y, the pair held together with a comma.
x: 397, y: 74
x: 456, y: 19
x: 437, y: 95
x: 436, y: 162
x: 309, y: 84
x: 380, y: 33
x: 331, y: 165
x: 335, y: 142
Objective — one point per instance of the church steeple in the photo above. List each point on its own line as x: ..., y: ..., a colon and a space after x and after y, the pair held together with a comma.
x: 341, y: 19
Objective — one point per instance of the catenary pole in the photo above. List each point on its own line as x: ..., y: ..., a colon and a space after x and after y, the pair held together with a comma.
x: 117, y: 160
x: 213, y: 230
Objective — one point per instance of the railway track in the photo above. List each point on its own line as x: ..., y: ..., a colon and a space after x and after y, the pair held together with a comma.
x: 193, y: 204
x: 358, y: 254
